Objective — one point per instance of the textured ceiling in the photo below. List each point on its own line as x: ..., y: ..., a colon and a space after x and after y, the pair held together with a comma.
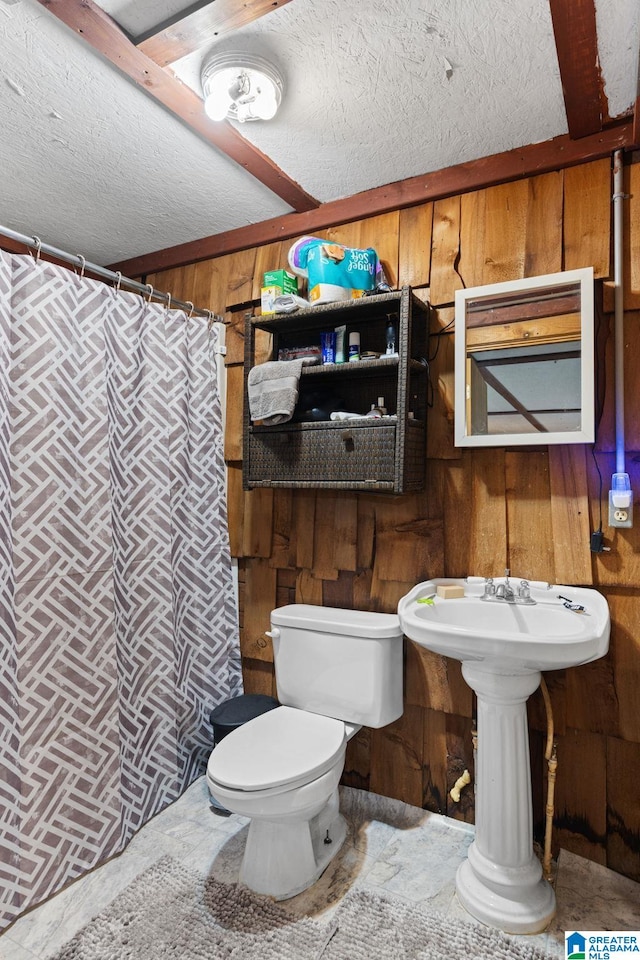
x: 375, y: 93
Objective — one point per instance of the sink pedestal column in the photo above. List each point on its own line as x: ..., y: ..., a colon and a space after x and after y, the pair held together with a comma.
x: 501, y: 882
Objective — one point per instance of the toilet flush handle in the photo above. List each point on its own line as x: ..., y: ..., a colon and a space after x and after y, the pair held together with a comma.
x: 274, y: 634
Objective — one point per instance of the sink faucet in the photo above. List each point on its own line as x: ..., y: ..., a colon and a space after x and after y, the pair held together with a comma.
x: 504, y: 590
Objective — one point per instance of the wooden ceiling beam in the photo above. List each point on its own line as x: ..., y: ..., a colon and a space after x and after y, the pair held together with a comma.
x: 474, y: 175
x: 574, y: 28
x: 95, y: 27
x: 178, y: 37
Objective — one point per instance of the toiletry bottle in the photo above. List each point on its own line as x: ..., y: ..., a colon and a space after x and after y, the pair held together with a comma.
x: 391, y: 339
x: 354, y: 346
x: 381, y: 406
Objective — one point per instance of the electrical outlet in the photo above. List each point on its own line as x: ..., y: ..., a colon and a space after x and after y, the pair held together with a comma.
x: 620, y: 516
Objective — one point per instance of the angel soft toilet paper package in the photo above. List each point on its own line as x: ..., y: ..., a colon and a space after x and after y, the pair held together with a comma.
x: 333, y: 271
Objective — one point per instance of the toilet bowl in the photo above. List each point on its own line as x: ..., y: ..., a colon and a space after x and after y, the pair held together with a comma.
x: 335, y: 671
x: 282, y: 770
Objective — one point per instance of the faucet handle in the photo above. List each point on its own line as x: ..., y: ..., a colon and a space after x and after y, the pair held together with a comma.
x: 524, y: 590
x: 489, y: 587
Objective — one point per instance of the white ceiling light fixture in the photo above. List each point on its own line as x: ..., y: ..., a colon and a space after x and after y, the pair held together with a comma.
x: 240, y: 87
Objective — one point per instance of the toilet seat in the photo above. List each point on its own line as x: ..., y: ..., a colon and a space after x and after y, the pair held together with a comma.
x: 281, y: 748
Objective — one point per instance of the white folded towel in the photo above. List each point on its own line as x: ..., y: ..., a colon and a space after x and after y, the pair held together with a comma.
x: 273, y: 390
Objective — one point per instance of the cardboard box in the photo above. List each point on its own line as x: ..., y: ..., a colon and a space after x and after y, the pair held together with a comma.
x: 274, y: 284
x: 281, y: 278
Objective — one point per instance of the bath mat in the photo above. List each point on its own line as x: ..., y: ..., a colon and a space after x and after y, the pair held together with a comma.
x: 373, y: 927
x: 171, y: 911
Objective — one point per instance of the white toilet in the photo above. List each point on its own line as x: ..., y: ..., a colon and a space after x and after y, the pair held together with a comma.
x: 336, y: 670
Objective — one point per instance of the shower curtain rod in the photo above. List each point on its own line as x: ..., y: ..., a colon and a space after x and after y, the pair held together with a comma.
x: 77, y: 260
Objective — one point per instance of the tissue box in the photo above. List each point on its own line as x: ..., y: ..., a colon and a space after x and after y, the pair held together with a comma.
x: 281, y: 278
x: 274, y: 284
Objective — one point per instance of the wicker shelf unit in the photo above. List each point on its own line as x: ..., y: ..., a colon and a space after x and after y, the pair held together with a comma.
x: 385, y: 455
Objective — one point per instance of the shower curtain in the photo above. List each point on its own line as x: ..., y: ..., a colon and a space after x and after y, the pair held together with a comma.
x: 117, y: 616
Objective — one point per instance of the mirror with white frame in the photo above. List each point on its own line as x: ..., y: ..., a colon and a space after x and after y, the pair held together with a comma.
x: 524, y: 361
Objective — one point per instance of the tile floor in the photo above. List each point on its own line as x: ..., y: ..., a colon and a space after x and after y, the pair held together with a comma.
x: 391, y: 848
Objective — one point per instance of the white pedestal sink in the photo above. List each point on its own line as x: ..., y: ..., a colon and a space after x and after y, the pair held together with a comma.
x: 503, y: 645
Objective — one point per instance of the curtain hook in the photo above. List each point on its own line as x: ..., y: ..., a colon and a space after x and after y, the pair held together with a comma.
x: 38, y: 243
x: 119, y: 281
x: 211, y: 319
x: 84, y: 263
x: 189, y: 304
x: 168, y: 296
x: 150, y: 289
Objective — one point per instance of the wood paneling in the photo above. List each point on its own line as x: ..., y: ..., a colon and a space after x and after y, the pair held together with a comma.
x: 570, y: 514
x: 414, y: 240
x: 581, y: 795
x: 282, y: 551
x: 258, y: 512
x: 436, y: 682
x: 505, y: 220
x: 632, y: 238
x: 235, y: 407
x: 441, y: 375
x: 625, y: 661
x: 339, y: 592
x: 304, y: 517
x: 242, y: 270
x: 325, y: 565
x: 345, y: 533
x: 407, y: 540
x: 308, y: 588
x: 385, y: 595
x: 459, y: 743
x: 623, y: 809
x: 399, y: 741
x: 486, y: 534
x: 272, y: 256
x: 445, y: 249
x: 590, y: 696
x: 482, y: 510
x: 434, y: 773
x: 587, y: 217
x: 472, y: 220
x: 259, y: 677
x: 259, y: 601
x: 529, y: 518
x: 358, y: 760
x: 235, y: 508
x: 234, y: 337
x: 543, y: 245
x: 631, y: 380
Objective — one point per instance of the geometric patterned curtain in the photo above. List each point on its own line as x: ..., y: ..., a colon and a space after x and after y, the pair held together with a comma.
x: 118, y: 629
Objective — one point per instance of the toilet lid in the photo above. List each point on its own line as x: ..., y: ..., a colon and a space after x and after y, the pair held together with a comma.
x: 277, y: 748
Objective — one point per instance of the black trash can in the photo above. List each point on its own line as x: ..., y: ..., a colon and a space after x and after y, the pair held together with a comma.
x: 233, y: 713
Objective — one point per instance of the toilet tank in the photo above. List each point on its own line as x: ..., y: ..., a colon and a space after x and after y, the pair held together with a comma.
x: 339, y: 663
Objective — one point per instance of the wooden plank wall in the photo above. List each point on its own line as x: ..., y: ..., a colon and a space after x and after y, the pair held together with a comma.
x: 482, y: 510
